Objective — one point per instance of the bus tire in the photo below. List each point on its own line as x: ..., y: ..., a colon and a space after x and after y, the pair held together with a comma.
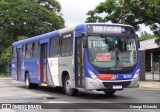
x: 27, y: 81
x: 109, y: 93
x: 67, y: 87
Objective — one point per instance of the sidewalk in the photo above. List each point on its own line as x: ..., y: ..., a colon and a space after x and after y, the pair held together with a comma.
x: 150, y: 82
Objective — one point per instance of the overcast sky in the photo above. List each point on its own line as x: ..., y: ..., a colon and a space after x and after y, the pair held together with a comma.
x: 74, y: 11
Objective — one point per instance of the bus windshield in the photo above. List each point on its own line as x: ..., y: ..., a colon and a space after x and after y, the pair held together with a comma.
x: 112, y: 51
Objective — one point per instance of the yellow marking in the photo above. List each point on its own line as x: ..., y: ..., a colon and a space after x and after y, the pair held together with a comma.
x: 72, y: 61
x: 44, y: 84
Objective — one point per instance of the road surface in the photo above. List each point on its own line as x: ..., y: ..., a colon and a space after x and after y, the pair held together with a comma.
x: 12, y: 91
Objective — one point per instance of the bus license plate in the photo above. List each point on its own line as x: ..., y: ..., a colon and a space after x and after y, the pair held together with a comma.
x: 117, y: 86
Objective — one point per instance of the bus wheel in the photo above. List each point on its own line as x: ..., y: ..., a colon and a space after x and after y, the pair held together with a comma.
x: 27, y: 81
x: 109, y: 93
x: 67, y: 87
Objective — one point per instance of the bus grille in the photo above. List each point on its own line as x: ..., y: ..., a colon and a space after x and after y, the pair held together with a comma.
x: 109, y: 85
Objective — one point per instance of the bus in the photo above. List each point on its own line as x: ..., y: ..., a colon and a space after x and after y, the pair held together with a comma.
x: 89, y: 56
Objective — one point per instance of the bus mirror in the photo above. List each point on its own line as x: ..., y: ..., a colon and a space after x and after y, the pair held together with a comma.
x: 84, y: 42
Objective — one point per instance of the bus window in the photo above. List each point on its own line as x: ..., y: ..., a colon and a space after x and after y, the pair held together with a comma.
x: 14, y: 56
x: 112, y: 51
x: 54, y: 47
x: 67, y: 45
x: 23, y: 52
x: 35, y: 48
x: 28, y: 51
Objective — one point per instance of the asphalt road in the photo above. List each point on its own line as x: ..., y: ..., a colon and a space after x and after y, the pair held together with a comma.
x: 12, y: 91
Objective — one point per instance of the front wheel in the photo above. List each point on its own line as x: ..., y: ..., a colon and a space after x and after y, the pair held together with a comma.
x: 109, y: 93
x: 67, y: 87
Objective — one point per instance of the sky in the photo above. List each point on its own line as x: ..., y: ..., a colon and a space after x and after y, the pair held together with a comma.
x: 74, y: 11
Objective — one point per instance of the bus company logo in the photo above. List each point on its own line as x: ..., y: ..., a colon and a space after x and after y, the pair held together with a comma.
x: 6, y: 106
x: 114, y: 77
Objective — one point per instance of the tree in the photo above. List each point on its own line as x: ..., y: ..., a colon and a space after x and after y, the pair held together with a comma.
x: 27, y: 18
x: 146, y: 37
x: 20, y: 17
x: 137, y: 12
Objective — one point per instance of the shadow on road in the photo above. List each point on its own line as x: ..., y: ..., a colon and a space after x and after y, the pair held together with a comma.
x: 81, y: 94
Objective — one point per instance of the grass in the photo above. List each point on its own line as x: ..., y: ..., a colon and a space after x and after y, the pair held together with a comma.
x: 3, y: 74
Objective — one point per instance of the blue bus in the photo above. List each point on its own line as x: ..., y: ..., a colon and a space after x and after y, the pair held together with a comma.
x: 89, y: 56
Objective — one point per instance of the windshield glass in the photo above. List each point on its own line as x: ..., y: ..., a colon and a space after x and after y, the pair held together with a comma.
x: 110, y: 51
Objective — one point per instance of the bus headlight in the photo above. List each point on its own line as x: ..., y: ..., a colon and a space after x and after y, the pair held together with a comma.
x: 136, y: 74
x: 92, y: 74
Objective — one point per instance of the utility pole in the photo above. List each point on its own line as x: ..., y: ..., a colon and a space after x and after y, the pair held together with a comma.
x: 123, y: 12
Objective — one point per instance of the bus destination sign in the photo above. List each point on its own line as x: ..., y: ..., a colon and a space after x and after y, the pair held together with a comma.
x: 107, y: 29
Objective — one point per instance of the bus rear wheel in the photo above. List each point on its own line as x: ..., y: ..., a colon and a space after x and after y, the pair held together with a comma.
x: 109, y: 93
x: 67, y: 87
x: 29, y: 85
x: 27, y: 81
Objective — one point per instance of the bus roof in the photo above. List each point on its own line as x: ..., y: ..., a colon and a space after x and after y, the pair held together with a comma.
x: 78, y: 28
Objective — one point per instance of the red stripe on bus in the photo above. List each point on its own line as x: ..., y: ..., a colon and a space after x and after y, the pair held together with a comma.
x: 38, y: 67
x: 105, y: 76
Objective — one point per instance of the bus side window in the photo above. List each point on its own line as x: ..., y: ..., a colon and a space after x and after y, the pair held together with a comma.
x: 35, y: 48
x: 23, y: 52
x: 28, y: 51
x: 67, y: 45
x: 54, y: 47
x: 14, y: 56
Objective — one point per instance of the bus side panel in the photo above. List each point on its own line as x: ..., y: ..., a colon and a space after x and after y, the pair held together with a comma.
x: 14, y: 69
x: 52, y: 72
x: 31, y: 66
x: 67, y: 64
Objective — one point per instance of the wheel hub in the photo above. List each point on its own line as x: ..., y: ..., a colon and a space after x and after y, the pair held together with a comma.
x: 68, y: 86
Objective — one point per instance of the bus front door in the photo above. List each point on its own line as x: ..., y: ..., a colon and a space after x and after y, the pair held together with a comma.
x: 79, y: 63
x: 43, y: 63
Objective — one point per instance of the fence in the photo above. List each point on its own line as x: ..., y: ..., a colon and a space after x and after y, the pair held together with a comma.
x: 5, y: 70
x: 156, y: 70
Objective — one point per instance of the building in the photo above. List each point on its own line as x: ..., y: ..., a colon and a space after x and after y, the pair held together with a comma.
x: 149, y: 57
x: 152, y: 54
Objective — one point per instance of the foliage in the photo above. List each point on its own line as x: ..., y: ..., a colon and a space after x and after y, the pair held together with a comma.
x: 146, y: 37
x: 6, y: 56
x: 137, y: 12
x: 6, y: 53
x: 26, y: 18
x: 20, y: 17
x: 4, y: 74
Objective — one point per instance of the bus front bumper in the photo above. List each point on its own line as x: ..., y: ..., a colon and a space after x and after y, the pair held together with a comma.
x: 96, y: 84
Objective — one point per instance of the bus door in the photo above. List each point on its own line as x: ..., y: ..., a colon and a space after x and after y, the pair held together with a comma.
x: 19, y: 54
x: 43, y: 63
x: 79, y: 63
